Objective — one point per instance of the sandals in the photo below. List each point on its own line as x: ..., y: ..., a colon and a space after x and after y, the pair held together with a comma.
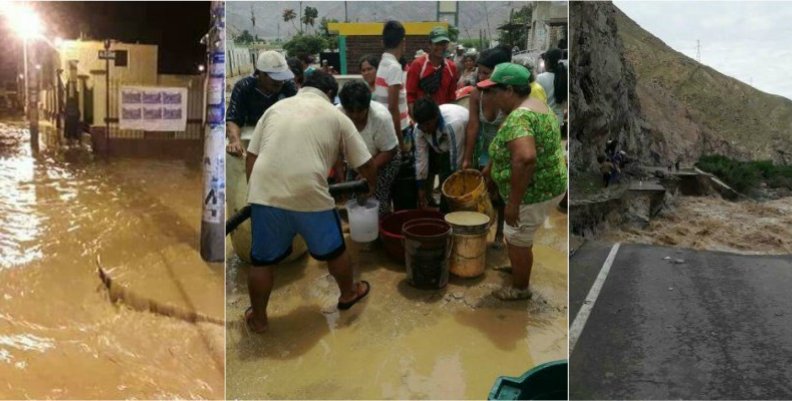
x: 512, y: 294
x: 248, y: 316
x: 349, y: 304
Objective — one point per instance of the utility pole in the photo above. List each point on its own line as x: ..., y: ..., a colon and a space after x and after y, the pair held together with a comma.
x: 346, y: 15
x: 213, y: 216
x: 698, y: 50
x: 107, y: 88
x: 31, y: 95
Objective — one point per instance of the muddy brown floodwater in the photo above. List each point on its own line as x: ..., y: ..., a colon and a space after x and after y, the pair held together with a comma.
x: 715, y: 224
x: 60, y: 336
x: 401, y: 343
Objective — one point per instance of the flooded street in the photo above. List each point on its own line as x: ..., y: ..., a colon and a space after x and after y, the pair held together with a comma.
x: 401, y: 343
x: 60, y: 334
x: 708, y: 223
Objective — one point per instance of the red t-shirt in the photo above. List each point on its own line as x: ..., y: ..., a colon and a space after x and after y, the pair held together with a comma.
x: 447, y: 91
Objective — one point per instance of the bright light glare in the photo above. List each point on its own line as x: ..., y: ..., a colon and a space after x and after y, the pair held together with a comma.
x: 22, y: 19
x: 58, y: 42
x: 201, y: 68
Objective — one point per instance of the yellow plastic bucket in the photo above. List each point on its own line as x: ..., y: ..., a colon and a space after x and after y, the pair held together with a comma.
x: 466, y: 190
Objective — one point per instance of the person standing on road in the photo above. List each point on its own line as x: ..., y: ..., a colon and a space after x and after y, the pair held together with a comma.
x: 252, y: 96
x: 554, y: 82
x: 374, y: 123
x: 389, y: 85
x: 527, y: 164
x: 433, y: 75
x: 294, y: 145
x: 368, y: 70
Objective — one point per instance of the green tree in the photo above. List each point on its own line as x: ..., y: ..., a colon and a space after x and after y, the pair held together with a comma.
x: 289, y: 16
x: 310, y: 16
x: 324, y: 31
x: 453, y: 33
x: 517, y: 36
x: 303, y: 45
x: 245, y: 38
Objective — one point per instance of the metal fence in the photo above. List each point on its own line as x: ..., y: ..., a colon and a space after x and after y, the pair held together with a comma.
x: 195, y: 107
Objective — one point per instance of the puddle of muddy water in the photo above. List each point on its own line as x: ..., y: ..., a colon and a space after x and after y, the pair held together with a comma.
x: 401, y: 343
x: 710, y: 223
x: 60, y: 336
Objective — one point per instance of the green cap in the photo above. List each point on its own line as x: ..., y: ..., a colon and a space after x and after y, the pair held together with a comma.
x: 439, y: 34
x: 507, y: 74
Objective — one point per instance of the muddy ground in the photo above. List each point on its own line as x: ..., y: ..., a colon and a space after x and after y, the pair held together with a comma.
x: 401, y: 343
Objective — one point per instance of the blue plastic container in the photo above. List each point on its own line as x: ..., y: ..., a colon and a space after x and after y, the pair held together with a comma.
x: 544, y: 382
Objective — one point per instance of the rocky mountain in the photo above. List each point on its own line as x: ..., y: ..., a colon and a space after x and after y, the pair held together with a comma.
x: 603, y: 102
x: 663, y: 105
x: 473, y: 15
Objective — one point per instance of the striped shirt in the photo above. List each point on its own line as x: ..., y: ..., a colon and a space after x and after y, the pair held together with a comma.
x: 390, y: 73
x: 449, y: 138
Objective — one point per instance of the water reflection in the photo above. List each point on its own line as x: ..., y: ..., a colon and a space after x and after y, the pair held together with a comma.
x: 60, y: 335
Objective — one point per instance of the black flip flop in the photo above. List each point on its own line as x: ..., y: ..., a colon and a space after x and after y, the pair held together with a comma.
x: 347, y: 305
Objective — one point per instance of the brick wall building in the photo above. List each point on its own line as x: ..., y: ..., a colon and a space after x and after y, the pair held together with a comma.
x: 358, y: 39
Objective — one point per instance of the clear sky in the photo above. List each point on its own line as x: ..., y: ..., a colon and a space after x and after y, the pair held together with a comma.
x: 750, y: 41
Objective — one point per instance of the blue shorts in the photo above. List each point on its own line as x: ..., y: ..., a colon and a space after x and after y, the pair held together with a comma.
x: 274, y: 230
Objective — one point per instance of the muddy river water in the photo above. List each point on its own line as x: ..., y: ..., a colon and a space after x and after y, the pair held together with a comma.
x: 60, y: 335
x: 401, y: 343
x: 712, y: 223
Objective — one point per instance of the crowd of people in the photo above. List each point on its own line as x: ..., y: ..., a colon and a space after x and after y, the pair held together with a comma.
x: 399, y: 114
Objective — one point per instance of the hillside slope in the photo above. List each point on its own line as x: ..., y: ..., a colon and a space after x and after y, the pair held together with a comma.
x: 661, y: 105
x: 690, y: 109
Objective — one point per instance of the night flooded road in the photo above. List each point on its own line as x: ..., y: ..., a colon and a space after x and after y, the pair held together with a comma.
x: 60, y: 335
x: 401, y: 343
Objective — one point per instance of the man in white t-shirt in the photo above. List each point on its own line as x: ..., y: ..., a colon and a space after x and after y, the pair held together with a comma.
x: 375, y: 125
x: 293, y: 147
x: 442, y: 129
x: 389, y: 86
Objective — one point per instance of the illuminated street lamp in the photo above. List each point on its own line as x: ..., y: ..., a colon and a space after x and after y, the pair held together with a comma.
x: 27, y: 26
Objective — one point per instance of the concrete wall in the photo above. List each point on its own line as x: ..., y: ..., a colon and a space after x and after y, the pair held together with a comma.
x: 542, y: 35
x: 239, y: 61
x: 357, y: 39
x: 141, y: 69
x: 358, y: 46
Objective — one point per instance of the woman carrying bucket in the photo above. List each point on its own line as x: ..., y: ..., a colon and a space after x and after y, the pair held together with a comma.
x: 527, y: 165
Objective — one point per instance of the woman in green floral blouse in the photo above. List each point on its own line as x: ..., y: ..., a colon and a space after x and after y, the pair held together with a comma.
x: 527, y: 165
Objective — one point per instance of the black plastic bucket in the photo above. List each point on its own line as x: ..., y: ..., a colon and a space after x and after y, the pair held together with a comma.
x: 404, y: 191
x: 427, y: 248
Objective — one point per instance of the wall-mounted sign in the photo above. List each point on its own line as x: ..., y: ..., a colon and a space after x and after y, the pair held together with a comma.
x: 152, y: 108
x: 106, y: 55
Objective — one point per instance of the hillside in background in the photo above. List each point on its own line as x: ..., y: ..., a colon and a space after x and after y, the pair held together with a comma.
x: 662, y: 105
x: 472, y: 15
x: 691, y: 109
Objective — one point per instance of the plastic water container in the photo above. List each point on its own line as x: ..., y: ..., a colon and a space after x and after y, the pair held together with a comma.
x: 363, y: 220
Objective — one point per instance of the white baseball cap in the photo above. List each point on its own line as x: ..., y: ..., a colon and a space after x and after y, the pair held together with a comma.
x: 274, y: 64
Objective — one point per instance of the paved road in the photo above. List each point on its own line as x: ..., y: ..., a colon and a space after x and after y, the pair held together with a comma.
x: 718, y: 326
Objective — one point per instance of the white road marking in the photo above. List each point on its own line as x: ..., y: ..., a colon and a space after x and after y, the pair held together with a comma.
x: 591, y: 298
